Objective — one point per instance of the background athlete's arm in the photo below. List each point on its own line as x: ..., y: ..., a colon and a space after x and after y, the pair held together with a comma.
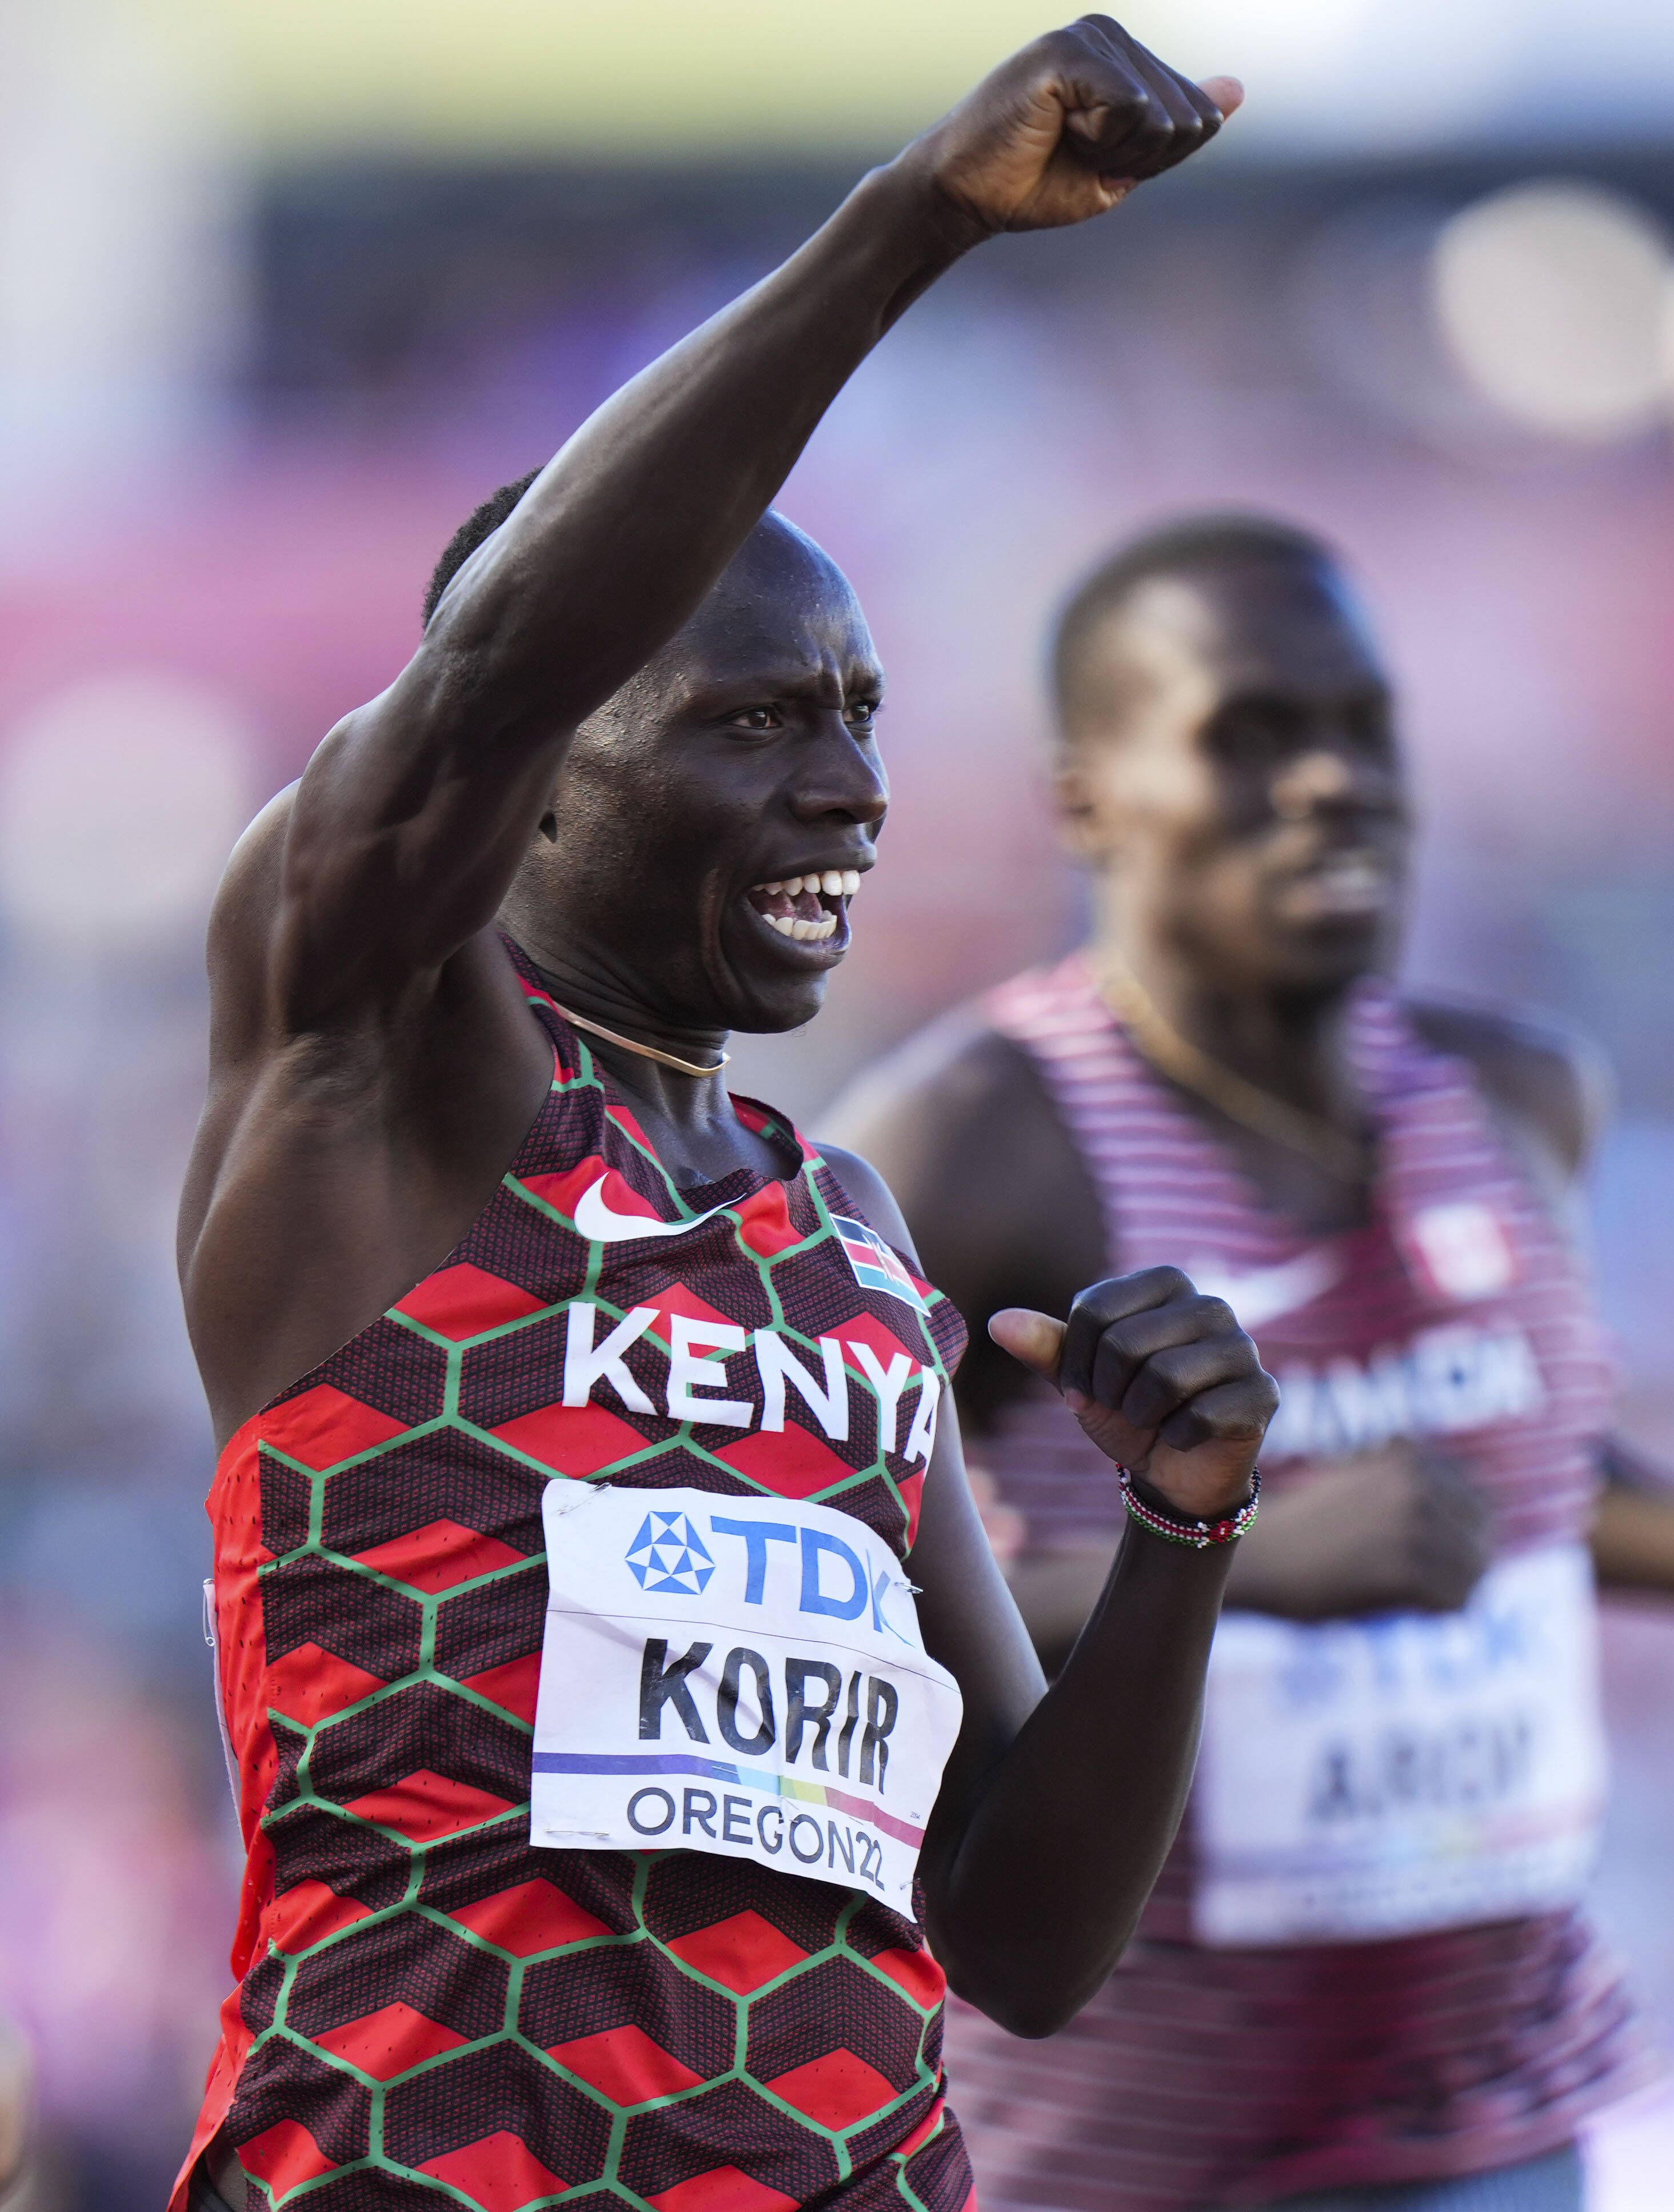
x: 1058, y: 1805
x: 1550, y: 1093
x: 411, y: 818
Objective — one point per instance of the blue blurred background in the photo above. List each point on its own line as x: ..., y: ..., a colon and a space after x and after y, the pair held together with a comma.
x: 286, y: 286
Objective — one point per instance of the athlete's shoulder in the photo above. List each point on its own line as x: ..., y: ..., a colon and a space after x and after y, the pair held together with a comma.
x: 878, y: 1203
x: 958, y: 1125
x: 254, y: 864
x: 958, y: 1073
x: 241, y: 920
x: 1534, y: 1069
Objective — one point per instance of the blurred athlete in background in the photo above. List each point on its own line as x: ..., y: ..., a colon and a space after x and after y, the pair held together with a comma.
x: 1367, y: 1963
x: 469, y: 1210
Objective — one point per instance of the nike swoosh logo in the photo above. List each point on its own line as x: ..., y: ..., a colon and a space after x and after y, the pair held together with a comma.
x: 1262, y: 1294
x: 596, y: 1221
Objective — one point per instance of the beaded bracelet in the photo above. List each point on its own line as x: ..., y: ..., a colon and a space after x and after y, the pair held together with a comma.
x: 1177, y: 1529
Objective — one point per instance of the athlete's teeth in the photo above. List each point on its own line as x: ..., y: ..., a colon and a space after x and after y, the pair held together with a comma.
x: 833, y: 883
x: 830, y: 883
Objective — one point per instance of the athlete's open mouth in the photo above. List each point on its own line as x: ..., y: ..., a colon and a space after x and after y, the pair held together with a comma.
x: 808, y: 909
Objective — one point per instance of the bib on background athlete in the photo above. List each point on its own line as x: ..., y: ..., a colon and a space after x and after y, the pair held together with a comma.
x: 1361, y: 1779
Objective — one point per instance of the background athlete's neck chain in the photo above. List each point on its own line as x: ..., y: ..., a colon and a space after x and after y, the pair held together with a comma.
x: 1349, y: 1159
x: 644, y: 1051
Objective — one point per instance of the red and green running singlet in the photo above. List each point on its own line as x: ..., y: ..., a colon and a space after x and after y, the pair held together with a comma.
x: 431, y: 2012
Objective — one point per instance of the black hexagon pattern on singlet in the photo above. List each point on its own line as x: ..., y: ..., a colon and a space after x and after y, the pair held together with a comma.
x: 442, y: 2015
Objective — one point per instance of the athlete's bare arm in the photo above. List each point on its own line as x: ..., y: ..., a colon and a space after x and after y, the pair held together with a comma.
x: 1550, y: 1092
x: 373, y: 1070
x: 1056, y: 1810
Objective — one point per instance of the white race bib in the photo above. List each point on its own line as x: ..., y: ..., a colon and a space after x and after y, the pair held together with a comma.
x: 742, y: 1675
x: 1367, y: 1778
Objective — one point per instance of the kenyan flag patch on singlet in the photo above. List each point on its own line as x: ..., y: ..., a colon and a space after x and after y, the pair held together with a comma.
x: 875, y: 1266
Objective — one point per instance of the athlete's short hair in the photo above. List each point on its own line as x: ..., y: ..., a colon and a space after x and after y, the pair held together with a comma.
x: 1190, y: 547
x: 470, y: 534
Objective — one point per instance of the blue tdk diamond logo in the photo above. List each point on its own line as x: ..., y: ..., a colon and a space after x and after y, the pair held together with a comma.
x: 669, y: 1554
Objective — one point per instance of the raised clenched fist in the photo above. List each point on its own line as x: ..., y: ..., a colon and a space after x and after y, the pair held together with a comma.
x: 1065, y: 129
x: 1160, y: 1379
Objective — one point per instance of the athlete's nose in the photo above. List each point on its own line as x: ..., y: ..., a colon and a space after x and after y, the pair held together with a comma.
x: 840, y: 777
x: 1329, y: 778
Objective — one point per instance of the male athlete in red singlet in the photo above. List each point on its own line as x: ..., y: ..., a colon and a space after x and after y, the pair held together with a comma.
x: 1365, y: 1980
x: 591, y: 1822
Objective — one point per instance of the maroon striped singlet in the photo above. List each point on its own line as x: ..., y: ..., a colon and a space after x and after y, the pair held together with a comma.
x: 1224, y: 2077
x: 430, y: 2012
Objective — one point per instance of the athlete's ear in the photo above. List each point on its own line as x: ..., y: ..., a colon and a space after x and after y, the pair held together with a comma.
x: 1078, y: 819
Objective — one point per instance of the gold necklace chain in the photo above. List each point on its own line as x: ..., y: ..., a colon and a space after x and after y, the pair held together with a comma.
x: 1347, y: 1159
x: 644, y: 1051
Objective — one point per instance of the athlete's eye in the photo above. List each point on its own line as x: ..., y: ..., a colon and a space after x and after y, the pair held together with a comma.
x: 1253, y: 733
x: 755, y: 718
x: 862, y: 715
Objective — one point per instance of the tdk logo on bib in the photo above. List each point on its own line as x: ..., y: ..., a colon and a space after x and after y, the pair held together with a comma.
x: 737, y: 1674
x: 668, y: 1554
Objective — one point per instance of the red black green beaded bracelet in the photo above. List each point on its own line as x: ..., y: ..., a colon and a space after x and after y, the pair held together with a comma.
x: 1177, y: 1529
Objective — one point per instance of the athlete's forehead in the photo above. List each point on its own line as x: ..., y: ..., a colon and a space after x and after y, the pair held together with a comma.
x: 783, y: 616
x: 1268, y: 629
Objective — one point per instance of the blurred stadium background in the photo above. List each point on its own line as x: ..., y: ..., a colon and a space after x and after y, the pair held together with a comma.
x: 287, y: 285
